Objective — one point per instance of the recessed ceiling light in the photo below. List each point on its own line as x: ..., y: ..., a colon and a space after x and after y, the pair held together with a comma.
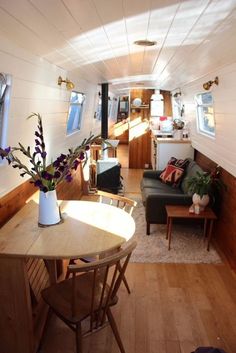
x: 145, y: 43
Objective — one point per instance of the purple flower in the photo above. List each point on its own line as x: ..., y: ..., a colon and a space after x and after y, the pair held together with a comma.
x: 56, y: 163
x: 37, y: 142
x: 38, y: 183
x: 61, y: 168
x: 59, y: 160
x: 47, y: 176
x: 43, y: 154
x: 87, y: 148
x: 76, y: 163
x: 69, y: 178
x: 4, y: 152
x: 57, y: 174
x: 8, y: 149
x: 44, y: 189
x: 37, y: 150
x: 81, y: 156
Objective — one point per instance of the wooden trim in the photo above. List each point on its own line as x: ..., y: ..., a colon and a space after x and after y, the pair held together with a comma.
x: 12, y: 202
x: 224, y: 230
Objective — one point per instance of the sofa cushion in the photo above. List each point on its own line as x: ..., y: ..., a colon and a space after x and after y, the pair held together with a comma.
x: 161, y: 189
x: 150, y: 183
x: 171, y: 175
x: 191, y: 170
x: 174, y: 171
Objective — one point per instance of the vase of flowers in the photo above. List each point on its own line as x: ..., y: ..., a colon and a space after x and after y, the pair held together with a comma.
x: 178, y: 126
x: 49, y: 212
x: 46, y: 177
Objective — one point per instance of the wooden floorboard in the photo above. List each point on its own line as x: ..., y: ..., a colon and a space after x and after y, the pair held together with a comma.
x: 172, y: 308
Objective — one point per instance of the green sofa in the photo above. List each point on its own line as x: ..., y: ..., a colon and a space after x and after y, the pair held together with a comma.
x: 156, y: 194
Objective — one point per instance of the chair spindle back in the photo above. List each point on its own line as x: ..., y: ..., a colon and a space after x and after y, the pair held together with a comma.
x: 106, y: 277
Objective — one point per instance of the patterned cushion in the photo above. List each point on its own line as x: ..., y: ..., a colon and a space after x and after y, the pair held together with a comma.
x: 174, y: 171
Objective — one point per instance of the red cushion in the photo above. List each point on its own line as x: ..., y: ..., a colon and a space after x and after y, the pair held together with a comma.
x: 172, y: 174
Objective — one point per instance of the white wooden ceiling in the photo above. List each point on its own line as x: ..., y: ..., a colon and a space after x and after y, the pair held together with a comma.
x: 95, y: 37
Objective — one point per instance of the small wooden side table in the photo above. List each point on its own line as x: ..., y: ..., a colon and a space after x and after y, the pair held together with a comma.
x: 177, y: 211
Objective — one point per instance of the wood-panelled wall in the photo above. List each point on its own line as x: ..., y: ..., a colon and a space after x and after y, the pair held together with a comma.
x: 225, y: 227
x: 15, y: 199
x: 167, y: 103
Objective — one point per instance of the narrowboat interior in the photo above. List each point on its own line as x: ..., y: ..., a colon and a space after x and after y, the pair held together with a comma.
x: 117, y: 176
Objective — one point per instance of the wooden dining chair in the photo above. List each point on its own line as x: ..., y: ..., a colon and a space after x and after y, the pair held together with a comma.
x: 89, y: 295
x: 117, y: 201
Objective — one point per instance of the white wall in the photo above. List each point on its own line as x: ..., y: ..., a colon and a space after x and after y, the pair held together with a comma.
x: 222, y: 148
x: 35, y: 89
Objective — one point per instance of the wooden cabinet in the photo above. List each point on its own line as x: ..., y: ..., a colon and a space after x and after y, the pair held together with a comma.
x: 162, y: 149
x: 139, y: 134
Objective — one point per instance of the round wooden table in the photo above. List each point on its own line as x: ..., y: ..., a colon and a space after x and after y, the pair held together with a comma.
x: 88, y: 228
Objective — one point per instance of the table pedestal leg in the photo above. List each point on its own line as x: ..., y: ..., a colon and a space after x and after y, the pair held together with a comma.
x: 52, y: 270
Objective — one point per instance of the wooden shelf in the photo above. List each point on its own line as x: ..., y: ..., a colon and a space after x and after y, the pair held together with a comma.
x: 143, y: 106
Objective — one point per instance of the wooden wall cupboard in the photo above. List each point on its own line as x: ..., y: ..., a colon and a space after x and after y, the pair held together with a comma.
x: 162, y: 149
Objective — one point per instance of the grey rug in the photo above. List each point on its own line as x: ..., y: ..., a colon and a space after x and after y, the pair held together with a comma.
x: 187, y: 244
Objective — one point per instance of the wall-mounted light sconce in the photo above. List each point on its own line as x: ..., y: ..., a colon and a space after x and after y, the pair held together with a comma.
x: 177, y: 94
x: 69, y: 84
x: 207, y: 85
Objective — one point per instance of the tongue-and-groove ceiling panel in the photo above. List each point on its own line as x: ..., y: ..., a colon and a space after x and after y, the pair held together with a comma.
x: 96, y: 37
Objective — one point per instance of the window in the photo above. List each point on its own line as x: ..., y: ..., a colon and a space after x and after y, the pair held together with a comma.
x: 177, y: 106
x: 205, y: 113
x: 5, y: 82
x: 75, y: 112
x: 98, y: 113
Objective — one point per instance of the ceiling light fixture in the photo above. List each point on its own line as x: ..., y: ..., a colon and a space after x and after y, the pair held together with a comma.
x: 145, y: 42
x: 69, y: 84
x: 207, y: 85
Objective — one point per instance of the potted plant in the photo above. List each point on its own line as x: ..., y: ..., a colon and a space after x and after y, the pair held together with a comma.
x: 203, y: 187
x: 178, y: 126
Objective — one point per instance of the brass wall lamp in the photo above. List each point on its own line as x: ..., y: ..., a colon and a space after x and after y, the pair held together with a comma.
x: 69, y: 84
x: 208, y: 84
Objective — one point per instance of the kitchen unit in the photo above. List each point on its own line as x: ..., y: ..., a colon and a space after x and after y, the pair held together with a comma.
x: 163, y: 148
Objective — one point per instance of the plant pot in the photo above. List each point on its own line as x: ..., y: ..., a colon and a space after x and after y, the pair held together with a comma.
x: 49, y: 212
x: 178, y: 134
x: 202, y: 202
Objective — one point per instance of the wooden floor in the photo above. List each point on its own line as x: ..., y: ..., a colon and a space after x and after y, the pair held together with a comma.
x: 173, y: 308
